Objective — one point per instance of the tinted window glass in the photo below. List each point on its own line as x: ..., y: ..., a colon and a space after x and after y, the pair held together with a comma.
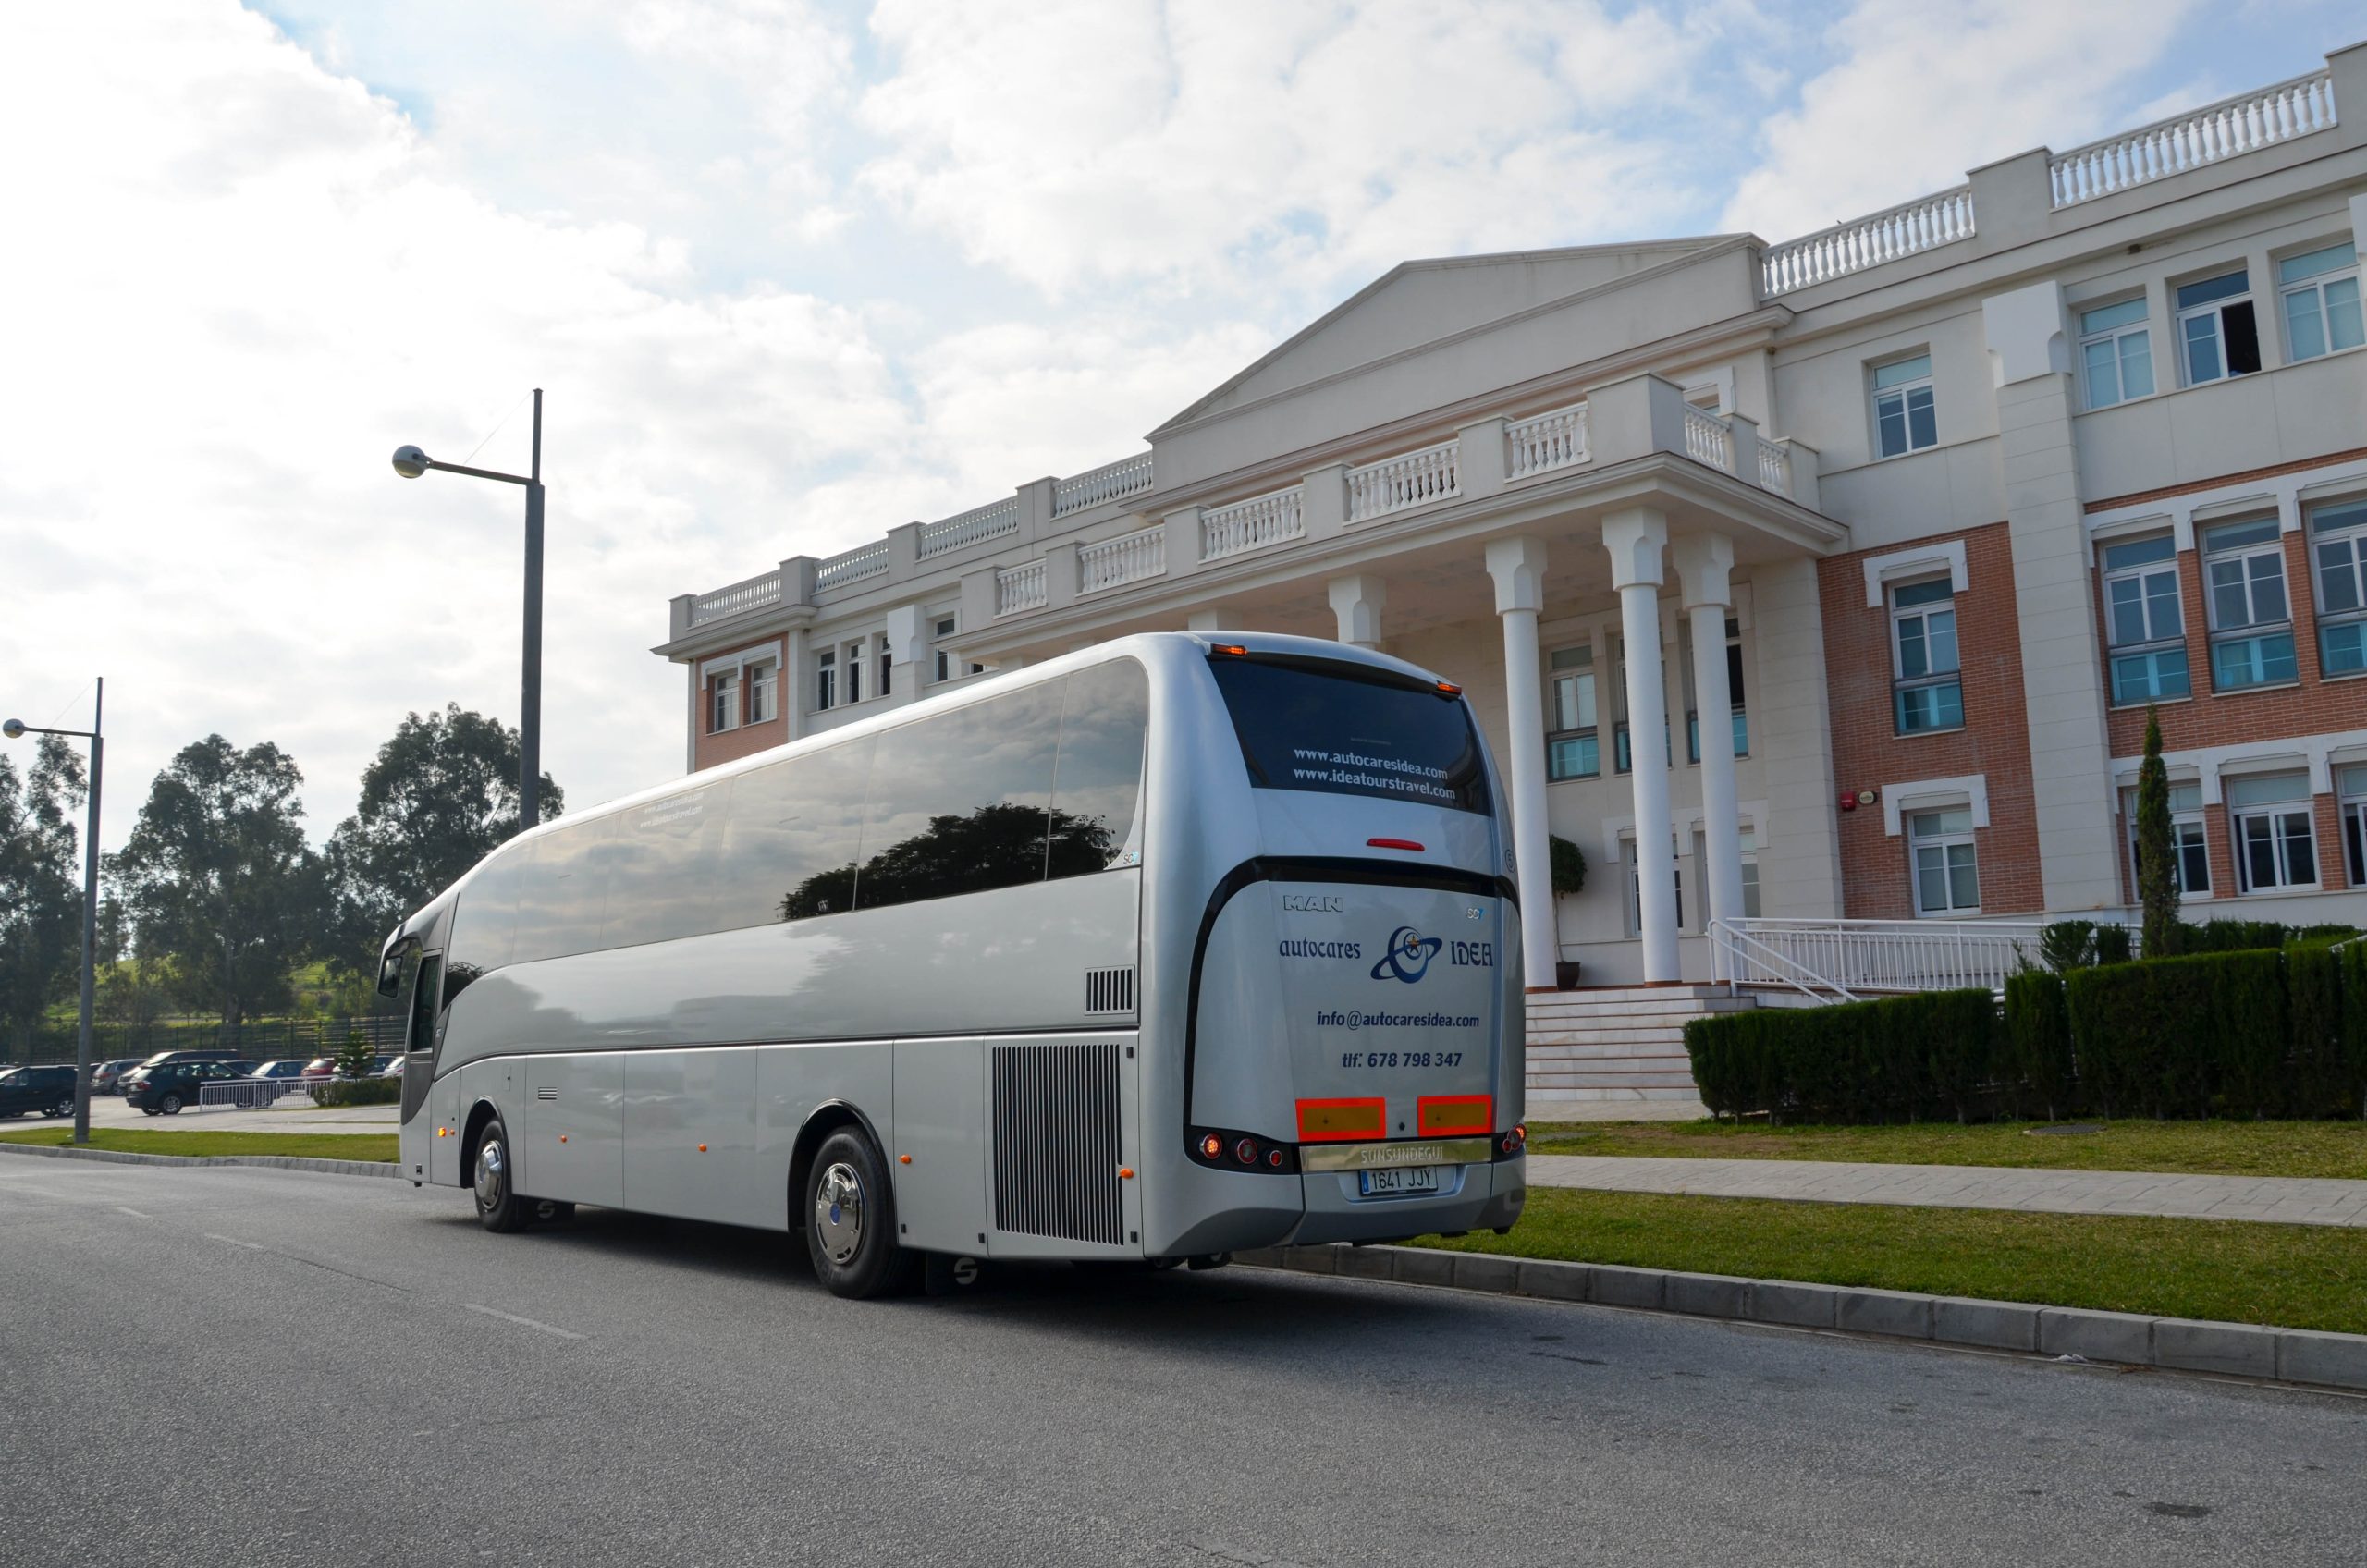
x: 960, y: 800
x: 661, y: 867
x: 1330, y: 727
x: 482, y: 921
x: 559, y: 891
x: 790, y: 847
x: 1096, y: 783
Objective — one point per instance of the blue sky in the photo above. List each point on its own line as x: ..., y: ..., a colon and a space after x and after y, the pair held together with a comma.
x: 794, y: 272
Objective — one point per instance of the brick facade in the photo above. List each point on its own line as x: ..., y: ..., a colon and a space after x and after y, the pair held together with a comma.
x: 730, y: 745
x: 1868, y: 753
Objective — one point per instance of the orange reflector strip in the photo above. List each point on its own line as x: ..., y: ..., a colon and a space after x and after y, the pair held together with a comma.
x: 1440, y: 1115
x: 1339, y: 1121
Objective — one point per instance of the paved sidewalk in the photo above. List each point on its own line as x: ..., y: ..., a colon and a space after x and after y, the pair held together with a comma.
x: 2291, y: 1200
x: 294, y: 1115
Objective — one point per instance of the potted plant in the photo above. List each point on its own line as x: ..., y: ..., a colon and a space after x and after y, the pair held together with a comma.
x: 1569, y: 875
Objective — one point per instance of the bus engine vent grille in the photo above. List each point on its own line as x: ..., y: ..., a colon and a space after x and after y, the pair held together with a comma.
x: 1056, y: 1142
x: 1109, y: 990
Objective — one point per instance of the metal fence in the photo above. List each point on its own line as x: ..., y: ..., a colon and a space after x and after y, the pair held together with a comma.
x: 256, y: 1041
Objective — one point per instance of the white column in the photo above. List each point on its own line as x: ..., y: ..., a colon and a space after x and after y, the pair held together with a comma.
x: 1634, y: 536
x: 1705, y: 564
x: 1518, y: 568
x: 1357, y: 602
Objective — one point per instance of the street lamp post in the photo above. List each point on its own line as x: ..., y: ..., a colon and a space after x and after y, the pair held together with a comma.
x: 13, y: 728
x: 410, y: 462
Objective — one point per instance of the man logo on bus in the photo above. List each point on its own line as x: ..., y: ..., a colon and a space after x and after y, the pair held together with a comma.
x: 1409, y: 955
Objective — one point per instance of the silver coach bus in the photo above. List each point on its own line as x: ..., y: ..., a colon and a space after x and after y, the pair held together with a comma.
x: 1168, y: 947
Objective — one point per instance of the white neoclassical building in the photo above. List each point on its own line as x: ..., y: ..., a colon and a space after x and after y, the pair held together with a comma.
x: 1898, y: 529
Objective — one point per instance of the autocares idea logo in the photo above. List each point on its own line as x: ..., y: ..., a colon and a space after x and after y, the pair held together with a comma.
x: 1409, y: 955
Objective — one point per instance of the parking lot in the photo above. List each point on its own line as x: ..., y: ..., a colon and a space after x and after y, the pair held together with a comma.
x: 294, y: 1114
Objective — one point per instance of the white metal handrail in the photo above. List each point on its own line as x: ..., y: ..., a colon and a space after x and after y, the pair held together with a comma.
x: 1111, y: 482
x: 1252, y: 525
x: 1744, y: 960
x: 2245, y: 122
x: 1895, y: 232
x: 990, y: 522
x: 750, y: 593
x: 1894, y: 955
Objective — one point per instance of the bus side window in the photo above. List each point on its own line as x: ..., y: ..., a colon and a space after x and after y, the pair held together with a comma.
x: 1097, y: 784
x: 661, y: 867
x: 790, y: 849
x: 423, y: 1009
x: 484, y: 918
x: 959, y: 800
x: 561, y: 891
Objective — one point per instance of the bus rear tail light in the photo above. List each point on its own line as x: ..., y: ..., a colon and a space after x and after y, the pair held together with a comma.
x: 1246, y: 1151
x: 1515, y: 1140
x: 1439, y: 1116
x: 1226, y: 1148
x: 1212, y: 1146
x: 1341, y: 1121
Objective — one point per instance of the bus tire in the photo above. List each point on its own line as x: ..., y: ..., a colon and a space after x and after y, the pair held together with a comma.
x: 850, y: 1218
x: 491, y: 1181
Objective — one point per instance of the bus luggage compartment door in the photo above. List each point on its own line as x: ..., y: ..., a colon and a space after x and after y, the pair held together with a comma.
x: 937, y: 1145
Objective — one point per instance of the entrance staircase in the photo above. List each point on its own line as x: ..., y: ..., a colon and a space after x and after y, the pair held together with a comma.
x: 1617, y: 1052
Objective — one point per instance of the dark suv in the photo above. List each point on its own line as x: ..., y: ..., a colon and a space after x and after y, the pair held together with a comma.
x: 162, y: 1089
x: 49, y: 1090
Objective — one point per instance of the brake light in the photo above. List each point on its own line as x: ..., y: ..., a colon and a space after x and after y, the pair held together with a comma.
x: 1406, y: 844
x: 1515, y: 1140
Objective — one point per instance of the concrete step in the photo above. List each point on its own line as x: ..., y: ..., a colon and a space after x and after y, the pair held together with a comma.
x: 1640, y: 1096
x: 1579, y: 1004
x: 1672, y: 1038
x: 1608, y: 1067
x: 1601, y: 1061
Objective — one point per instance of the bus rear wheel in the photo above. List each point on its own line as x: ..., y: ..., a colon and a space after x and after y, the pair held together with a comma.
x: 499, y: 1208
x: 851, y: 1219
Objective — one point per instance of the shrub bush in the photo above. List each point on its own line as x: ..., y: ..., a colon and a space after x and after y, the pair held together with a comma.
x: 2313, y: 995
x: 1859, y: 1062
x: 2113, y: 945
x: 2038, y: 1043
x: 2182, y: 1036
x: 358, y: 1091
x: 2067, y: 945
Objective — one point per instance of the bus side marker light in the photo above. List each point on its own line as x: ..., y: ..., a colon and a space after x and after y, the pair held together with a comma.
x: 904, y: 1159
x: 562, y: 1137
x: 1449, y: 688
x: 1125, y: 1173
x: 702, y: 1148
x: 1236, y: 649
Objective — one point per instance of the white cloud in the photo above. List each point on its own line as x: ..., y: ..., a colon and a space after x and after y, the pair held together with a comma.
x: 1264, y: 141
x: 1915, y: 97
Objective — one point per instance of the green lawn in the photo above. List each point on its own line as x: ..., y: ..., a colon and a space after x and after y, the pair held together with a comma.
x: 2291, y: 1276
x: 378, y: 1147
x: 2232, y: 1148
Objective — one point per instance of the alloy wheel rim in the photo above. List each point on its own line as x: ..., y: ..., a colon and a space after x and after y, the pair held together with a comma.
x: 837, y: 1212
x: 491, y: 1170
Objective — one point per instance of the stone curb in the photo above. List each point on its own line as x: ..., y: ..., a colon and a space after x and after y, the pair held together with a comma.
x: 267, y: 1161
x: 2305, y: 1356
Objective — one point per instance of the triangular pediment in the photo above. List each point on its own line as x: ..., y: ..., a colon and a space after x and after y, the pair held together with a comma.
x: 1419, y: 303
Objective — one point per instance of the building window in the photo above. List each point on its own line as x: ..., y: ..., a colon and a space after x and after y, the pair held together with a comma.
x: 763, y: 687
x: 826, y: 681
x: 1573, y: 742
x: 2339, y: 544
x: 2251, y: 625
x: 854, y: 673
x: 1749, y: 877
x: 2322, y: 300
x: 2190, y: 851
x: 1750, y: 873
x: 1738, y: 721
x: 2216, y: 329
x: 1948, y: 876
x: 2142, y: 621
x: 887, y: 667
x: 943, y: 629
x: 2350, y: 784
x: 1927, y: 692
x: 2116, y: 354
x: 1636, y: 887
x: 1905, y: 420
x: 723, y: 702
x: 2275, y: 840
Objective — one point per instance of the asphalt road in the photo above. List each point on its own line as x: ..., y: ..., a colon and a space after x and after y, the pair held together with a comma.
x: 227, y: 1366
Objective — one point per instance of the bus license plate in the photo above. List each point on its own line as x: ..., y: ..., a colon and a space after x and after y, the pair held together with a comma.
x: 1408, y: 1179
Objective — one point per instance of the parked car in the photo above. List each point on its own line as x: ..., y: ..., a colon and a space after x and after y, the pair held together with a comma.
x: 392, y: 1067
x: 161, y: 1058
x: 164, y: 1089
x: 320, y: 1067
x: 107, y: 1077
x: 48, y: 1090
x: 286, y: 1067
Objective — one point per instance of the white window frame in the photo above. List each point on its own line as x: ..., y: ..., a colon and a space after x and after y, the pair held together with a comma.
x: 854, y: 665
x: 2215, y: 311
x: 2313, y: 287
x: 764, y: 690
x: 723, y: 701
x: 1943, y: 841
x: 1922, y: 612
x: 2153, y: 639
x: 2277, y: 817
x: 942, y: 627
x: 2247, y: 580
x: 2189, y: 829
x: 2118, y: 337
x: 1630, y: 863
x: 826, y: 681
x: 2351, y: 811
x: 1573, y: 690
x: 2339, y: 556
x: 1902, y: 392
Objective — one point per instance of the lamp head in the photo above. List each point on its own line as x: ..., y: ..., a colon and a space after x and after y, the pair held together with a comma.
x: 13, y: 728
x: 410, y: 461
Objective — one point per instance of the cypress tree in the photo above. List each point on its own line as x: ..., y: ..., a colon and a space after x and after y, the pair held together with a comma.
x: 2157, y: 887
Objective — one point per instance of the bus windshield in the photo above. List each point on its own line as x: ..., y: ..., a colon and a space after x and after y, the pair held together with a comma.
x: 1349, y: 730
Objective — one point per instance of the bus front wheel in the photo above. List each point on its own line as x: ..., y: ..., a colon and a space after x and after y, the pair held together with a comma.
x: 851, y: 1219
x: 499, y: 1208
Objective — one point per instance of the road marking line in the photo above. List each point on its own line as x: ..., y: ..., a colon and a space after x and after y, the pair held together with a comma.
x: 521, y: 1322
x: 250, y: 1246
x: 133, y: 1212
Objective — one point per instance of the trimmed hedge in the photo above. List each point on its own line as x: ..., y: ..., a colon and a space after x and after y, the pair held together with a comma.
x: 1890, y: 1060
x: 2038, y: 1043
x: 2182, y: 1036
x: 359, y: 1091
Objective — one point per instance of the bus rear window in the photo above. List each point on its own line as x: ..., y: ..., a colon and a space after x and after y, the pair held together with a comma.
x: 1334, y: 729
